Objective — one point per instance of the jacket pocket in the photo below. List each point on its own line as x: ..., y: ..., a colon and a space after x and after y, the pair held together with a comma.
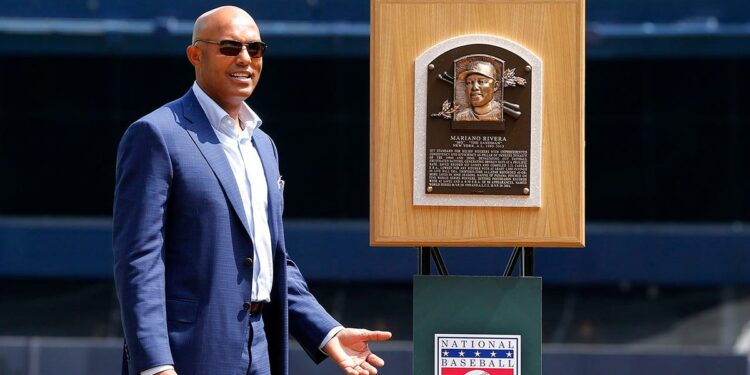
x: 182, y: 310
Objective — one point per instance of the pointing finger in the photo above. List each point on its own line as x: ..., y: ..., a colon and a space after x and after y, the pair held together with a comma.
x: 375, y: 335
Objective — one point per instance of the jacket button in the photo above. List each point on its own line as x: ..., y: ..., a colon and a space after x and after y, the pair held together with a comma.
x: 246, y: 306
x: 248, y: 261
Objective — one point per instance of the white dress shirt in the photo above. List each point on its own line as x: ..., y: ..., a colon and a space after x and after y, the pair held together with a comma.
x: 248, y: 172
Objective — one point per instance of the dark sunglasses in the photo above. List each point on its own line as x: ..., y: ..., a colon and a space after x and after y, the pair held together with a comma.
x: 234, y: 48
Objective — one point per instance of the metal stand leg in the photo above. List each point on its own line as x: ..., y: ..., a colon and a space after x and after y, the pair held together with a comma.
x: 424, y: 261
x: 439, y: 261
x: 512, y: 261
x: 527, y: 261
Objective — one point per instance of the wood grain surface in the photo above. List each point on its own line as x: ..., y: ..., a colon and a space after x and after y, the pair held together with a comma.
x: 400, y: 32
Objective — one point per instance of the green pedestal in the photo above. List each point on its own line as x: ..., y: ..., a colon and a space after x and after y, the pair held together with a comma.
x: 458, y: 306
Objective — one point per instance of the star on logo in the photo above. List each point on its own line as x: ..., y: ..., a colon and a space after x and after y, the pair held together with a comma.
x: 461, y: 353
x: 477, y: 353
x: 493, y: 354
x: 445, y: 353
x: 509, y: 354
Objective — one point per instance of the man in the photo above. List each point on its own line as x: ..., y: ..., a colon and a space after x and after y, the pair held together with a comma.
x: 201, y: 269
x: 481, y: 83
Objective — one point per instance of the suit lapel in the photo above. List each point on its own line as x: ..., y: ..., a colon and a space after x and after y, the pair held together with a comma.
x: 204, y: 137
x: 270, y: 166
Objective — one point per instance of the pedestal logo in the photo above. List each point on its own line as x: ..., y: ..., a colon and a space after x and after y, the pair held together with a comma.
x: 458, y: 354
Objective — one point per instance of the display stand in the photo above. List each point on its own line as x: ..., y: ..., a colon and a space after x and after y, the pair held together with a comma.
x: 429, y: 254
x: 453, y: 167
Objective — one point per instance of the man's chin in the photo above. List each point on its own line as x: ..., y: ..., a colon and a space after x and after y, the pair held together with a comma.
x: 244, y: 93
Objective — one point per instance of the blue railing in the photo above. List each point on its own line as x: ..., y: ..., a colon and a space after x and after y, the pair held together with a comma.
x: 684, y: 254
x: 340, y: 28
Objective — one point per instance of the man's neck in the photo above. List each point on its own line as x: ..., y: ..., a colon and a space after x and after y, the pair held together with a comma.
x: 232, y: 106
x: 238, y: 125
x: 232, y: 109
x: 234, y: 112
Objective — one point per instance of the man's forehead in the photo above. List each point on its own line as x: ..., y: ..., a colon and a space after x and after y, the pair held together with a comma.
x: 241, y: 28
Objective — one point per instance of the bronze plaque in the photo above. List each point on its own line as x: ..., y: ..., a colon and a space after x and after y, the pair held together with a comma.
x: 478, y: 130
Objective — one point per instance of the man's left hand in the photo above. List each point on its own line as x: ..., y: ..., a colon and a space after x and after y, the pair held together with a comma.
x: 350, y: 351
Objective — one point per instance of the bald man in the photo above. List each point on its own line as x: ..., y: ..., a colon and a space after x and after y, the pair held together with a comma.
x: 205, y: 284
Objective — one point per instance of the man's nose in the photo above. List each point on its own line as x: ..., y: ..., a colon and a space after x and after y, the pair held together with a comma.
x: 244, y: 56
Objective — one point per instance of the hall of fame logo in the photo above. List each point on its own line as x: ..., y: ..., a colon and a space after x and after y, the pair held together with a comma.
x: 458, y: 354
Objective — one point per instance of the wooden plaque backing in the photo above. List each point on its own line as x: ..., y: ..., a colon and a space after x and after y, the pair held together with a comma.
x: 400, y: 31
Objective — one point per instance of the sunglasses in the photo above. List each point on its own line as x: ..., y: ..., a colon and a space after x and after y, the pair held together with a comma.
x: 234, y: 48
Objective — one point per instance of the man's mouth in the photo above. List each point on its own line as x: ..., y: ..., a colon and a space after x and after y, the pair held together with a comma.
x: 241, y: 75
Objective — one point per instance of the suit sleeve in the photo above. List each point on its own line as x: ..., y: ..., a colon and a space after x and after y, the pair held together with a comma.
x: 143, y: 177
x: 309, y: 322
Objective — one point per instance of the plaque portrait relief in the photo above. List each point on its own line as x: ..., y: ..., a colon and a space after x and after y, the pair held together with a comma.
x: 477, y: 124
x: 478, y: 89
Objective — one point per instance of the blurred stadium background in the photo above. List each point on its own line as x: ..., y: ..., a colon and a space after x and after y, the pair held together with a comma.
x: 663, y: 286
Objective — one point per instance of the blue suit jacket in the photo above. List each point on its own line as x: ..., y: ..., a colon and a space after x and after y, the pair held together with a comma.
x: 180, y: 243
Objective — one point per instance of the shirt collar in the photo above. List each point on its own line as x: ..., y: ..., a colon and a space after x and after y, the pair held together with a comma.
x: 220, y: 119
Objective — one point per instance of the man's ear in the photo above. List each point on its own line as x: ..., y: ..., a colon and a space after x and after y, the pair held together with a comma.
x: 194, y: 55
x: 497, y: 85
